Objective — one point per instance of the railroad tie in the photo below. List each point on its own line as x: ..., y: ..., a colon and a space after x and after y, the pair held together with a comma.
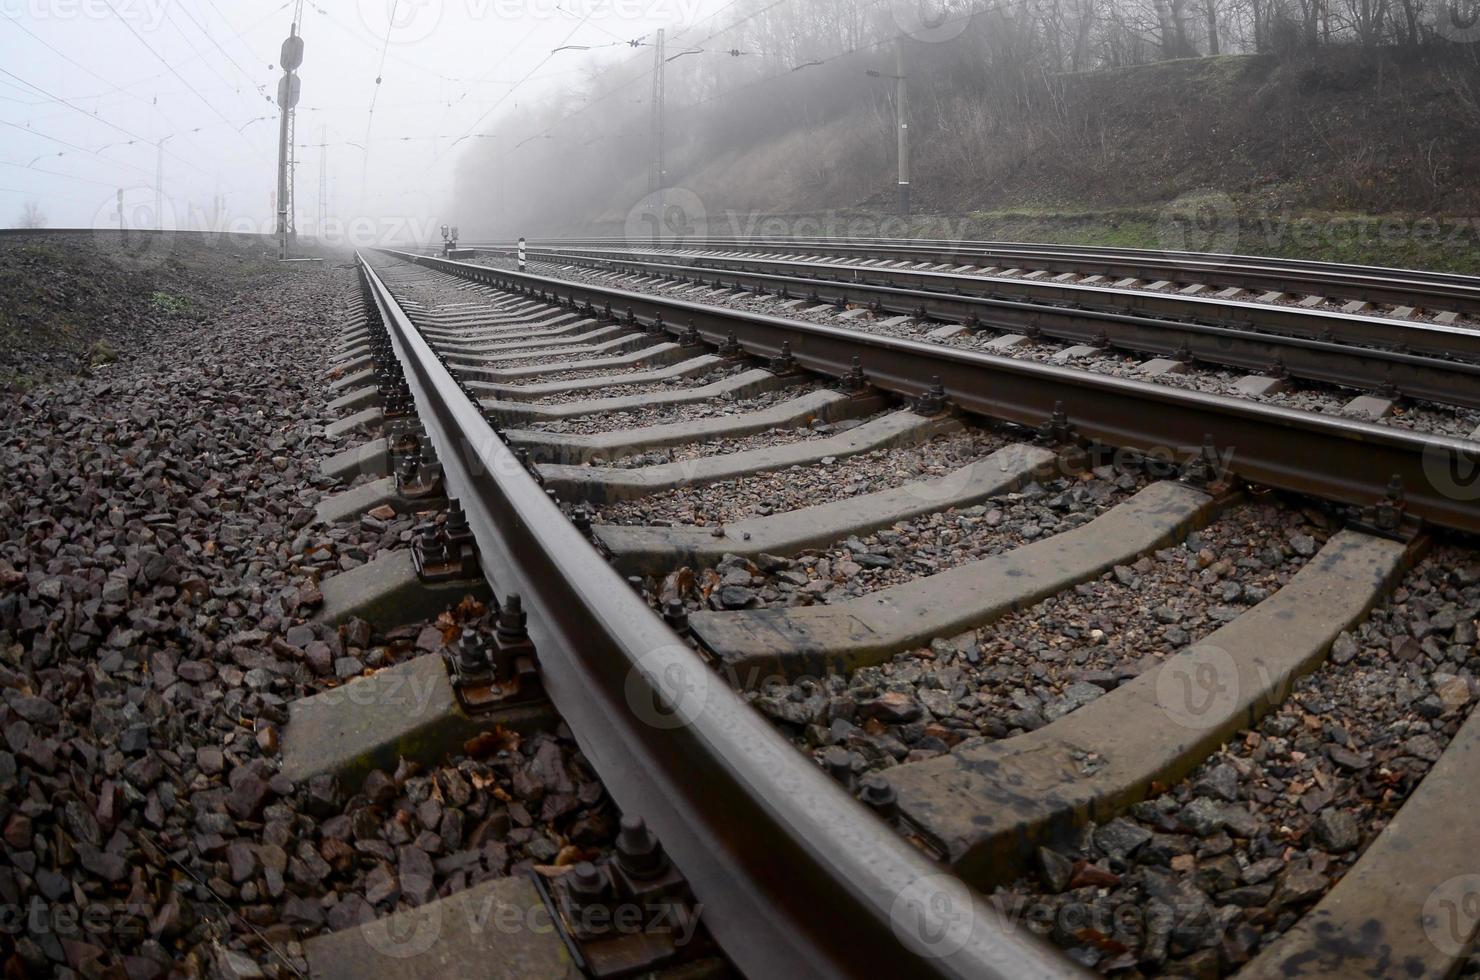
x: 653, y: 550
x: 1410, y: 903
x: 980, y: 803
x: 601, y: 484
x: 869, y: 629
x: 664, y: 353
x: 823, y: 405
x: 745, y: 384
x: 668, y: 353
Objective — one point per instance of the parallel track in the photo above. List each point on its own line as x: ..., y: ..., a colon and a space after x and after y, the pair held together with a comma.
x: 1372, y: 284
x: 1362, y: 352
x: 1333, y: 458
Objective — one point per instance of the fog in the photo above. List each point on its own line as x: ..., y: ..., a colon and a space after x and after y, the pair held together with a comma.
x: 103, y: 96
x: 508, y: 117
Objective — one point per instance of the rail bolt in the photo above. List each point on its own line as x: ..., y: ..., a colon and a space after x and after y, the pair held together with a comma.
x: 472, y: 652
x: 933, y: 400
x: 879, y: 797
x: 513, y: 621
x: 457, y: 520
x: 581, y: 516
x: 638, y: 851
x: 839, y: 764
x: 588, y: 885
x: 783, y: 362
x: 675, y: 615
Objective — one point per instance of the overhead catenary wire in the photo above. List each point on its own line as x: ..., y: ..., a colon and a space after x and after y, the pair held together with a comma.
x: 506, y: 95
x: 210, y: 105
x: 74, y: 146
x: 98, y: 118
x: 15, y: 22
x: 259, y: 86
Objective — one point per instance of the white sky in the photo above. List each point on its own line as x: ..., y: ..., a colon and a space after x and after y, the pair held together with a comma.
x: 96, y: 74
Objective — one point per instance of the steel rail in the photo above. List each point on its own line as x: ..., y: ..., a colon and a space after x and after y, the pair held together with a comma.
x: 796, y: 878
x: 1373, y: 284
x: 1333, y: 458
x: 1048, y: 248
x: 1382, y: 332
x: 1312, y: 356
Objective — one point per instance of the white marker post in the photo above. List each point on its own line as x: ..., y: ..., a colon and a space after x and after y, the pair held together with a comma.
x: 522, y: 255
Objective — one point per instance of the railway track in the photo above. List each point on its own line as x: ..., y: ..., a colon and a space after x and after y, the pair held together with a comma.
x: 1428, y: 361
x: 921, y: 659
x: 1192, y: 272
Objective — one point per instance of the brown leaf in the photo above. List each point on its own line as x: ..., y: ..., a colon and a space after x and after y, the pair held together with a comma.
x: 1088, y: 875
x: 574, y: 854
x: 676, y: 584
x: 470, y: 609
x: 1097, y: 938
x: 499, y: 739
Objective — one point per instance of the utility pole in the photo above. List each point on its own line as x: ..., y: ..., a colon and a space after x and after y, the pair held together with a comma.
x: 901, y: 102
x: 323, y: 221
x: 159, y: 183
x: 288, y: 88
x: 655, y: 167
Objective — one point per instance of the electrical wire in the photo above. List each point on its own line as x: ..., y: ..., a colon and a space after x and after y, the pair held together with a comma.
x: 505, y: 96
x: 74, y: 146
x: 105, y: 122
x: 259, y: 86
x: 76, y: 64
x: 195, y: 91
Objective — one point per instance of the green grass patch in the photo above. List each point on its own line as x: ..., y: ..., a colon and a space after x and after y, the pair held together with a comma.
x: 167, y: 303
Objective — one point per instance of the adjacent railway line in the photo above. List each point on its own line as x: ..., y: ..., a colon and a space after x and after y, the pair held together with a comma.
x: 1347, y: 283
x: 704, y: 513
x: 1423, y: 360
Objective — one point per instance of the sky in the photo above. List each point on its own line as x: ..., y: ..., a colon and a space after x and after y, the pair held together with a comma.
x: 103, y: 96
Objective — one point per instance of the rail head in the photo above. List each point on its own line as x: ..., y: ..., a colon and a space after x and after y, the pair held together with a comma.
x: 796, y: 877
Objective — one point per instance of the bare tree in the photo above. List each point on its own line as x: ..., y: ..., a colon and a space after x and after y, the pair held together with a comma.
x: 31, y: 216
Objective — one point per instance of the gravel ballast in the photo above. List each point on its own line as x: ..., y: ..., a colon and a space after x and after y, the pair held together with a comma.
x: 159, y: 568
